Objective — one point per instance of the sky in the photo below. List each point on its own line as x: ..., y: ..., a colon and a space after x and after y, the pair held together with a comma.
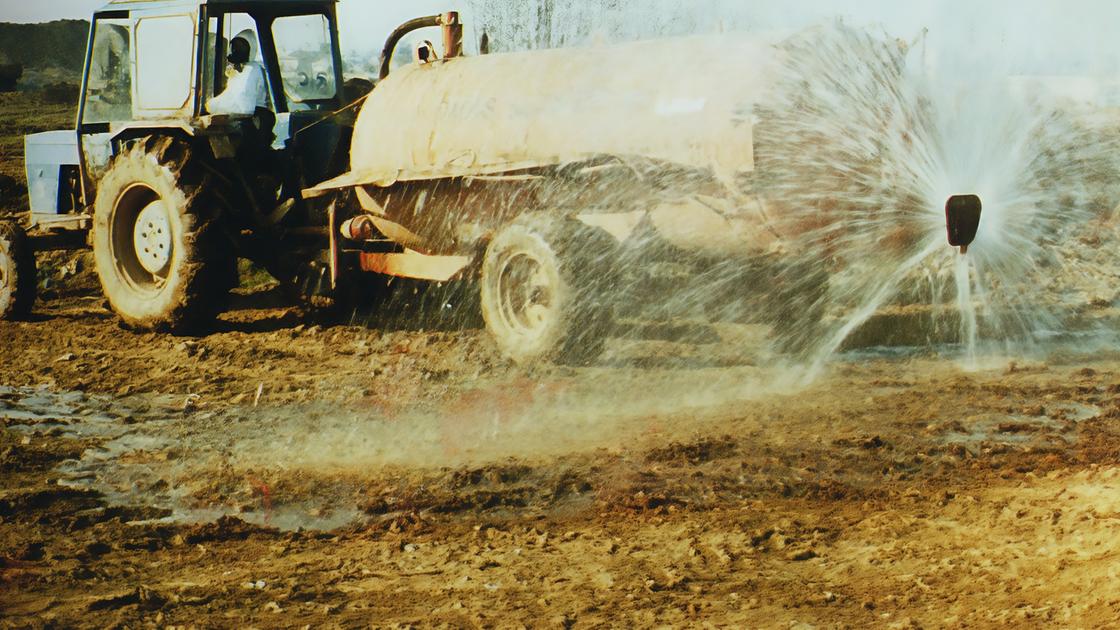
x: 1043, y: 36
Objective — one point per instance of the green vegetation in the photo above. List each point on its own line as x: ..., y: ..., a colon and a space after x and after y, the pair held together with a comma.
x: 60, y: 44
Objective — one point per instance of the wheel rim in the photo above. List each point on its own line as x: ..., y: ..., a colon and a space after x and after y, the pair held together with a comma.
x: 151, y: 238
x: 526, y: 296
x: 141, y: 240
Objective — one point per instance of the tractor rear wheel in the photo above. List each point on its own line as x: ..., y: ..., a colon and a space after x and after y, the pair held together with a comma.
x: 163, y: 260
x: 545, y: 285
x: 17, y: 272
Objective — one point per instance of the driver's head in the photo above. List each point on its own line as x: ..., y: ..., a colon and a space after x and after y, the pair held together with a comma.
x: 239, y: 50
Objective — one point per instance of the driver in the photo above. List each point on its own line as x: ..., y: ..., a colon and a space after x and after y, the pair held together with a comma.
x: 245, y: 90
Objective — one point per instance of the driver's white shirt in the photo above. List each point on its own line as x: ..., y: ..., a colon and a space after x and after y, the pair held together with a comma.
x: 245, y: 92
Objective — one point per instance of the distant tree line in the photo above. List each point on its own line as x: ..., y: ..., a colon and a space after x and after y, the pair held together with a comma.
x: 534, y: 24
x: 60, y: 44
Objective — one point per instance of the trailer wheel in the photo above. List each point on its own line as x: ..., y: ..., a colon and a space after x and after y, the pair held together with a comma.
x: 160, y: 254
x: 18, y: 275
x: 544, y: 287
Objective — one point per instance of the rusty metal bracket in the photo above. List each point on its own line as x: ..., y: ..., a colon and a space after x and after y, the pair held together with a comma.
x: 412, y: 264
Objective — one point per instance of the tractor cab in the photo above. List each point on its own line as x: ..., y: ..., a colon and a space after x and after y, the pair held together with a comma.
x: 191, y: 113
x: 166, y: 63
x: 156, y: 66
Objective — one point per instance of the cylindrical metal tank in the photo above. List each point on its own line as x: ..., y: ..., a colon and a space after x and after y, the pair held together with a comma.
x: 686, y: 101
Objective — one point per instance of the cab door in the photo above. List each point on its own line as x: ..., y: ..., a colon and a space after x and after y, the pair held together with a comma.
x: 107, y: 93
x: 140, y: 73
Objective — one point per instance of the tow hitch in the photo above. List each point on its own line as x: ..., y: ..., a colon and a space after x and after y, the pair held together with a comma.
x: 962, y: 218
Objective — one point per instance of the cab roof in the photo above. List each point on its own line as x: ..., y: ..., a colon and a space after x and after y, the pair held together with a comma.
x: 124, y: 5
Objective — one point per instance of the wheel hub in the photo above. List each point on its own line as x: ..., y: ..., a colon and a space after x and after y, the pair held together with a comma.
x: 525, y: 294
x: 152, y: 238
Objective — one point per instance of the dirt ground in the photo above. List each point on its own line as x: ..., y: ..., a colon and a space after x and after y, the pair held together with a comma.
x: 398, y: 473
x: 279, y: 474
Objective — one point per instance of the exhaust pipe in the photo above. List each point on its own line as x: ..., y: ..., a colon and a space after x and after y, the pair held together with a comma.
x: 962, y: 219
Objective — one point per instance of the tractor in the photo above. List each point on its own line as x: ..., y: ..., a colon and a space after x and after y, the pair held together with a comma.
x: 167, y: 194
x: 552, y: 181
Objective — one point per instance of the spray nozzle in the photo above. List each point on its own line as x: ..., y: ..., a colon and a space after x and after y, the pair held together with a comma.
x: 962, y: 219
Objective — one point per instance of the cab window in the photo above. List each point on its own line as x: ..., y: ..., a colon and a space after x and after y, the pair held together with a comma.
x: 164, y: 62
x: 303, y: 46
x: 109, y: 85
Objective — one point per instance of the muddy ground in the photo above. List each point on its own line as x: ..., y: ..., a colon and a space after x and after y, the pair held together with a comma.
x: 396, y: 472
x: 275, y: 473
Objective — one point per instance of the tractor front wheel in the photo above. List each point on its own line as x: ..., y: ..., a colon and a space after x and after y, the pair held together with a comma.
x: 163, y: 261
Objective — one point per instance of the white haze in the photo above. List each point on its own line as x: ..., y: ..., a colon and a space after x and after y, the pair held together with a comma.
x: 1066, y: 47
x: 1042, y: 36
x: 1074, y: 38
